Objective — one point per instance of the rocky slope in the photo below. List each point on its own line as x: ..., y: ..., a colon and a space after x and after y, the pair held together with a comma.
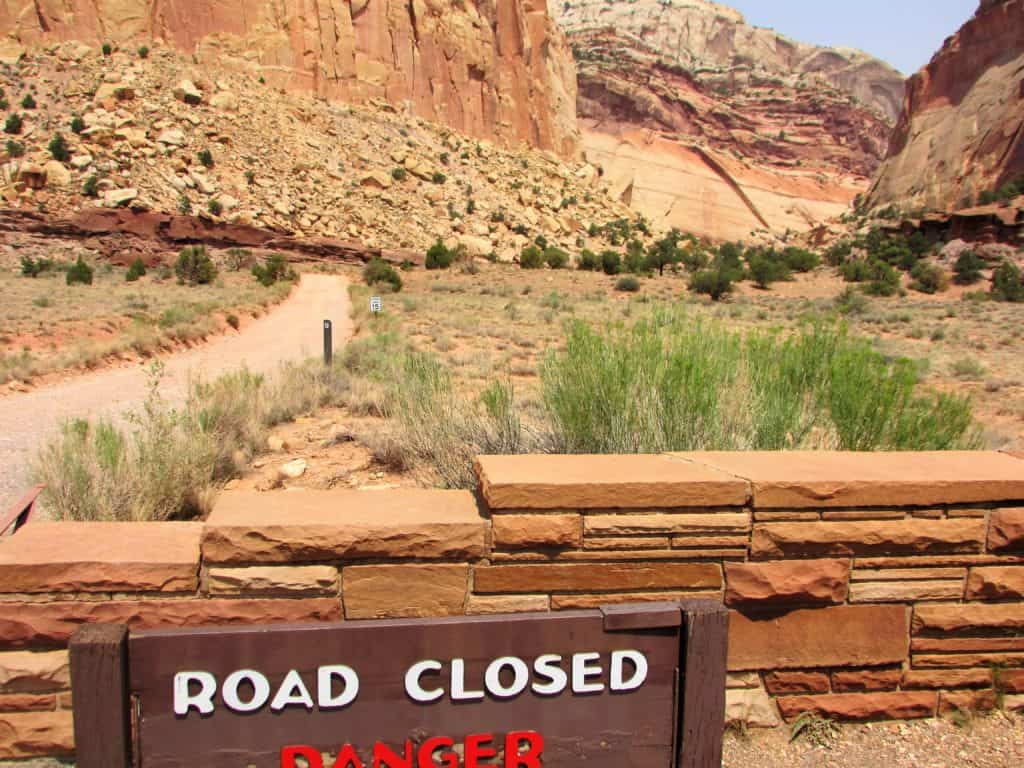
x: 278, y: 161
x: 961, y: 132
x: 493, y: 69
x: 703, y: 122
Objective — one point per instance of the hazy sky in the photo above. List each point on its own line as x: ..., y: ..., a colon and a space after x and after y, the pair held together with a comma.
x: 905, y: 33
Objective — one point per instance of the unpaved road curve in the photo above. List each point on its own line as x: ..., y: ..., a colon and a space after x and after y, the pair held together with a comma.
x: 292, y: 331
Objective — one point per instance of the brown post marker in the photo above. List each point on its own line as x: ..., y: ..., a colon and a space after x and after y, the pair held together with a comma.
x: 702, y: 705
x: 99, y: 682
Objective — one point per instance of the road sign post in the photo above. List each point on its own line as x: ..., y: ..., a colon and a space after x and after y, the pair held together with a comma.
x: 328, y: 343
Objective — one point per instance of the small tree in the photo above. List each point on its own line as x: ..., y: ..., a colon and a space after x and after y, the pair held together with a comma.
x: 272, y: 270
x: 766, y: 268
x: 715, y: 282
x: 15, y: 148
x: 589, y: 261
x: 1006, y: 283
x: 928, y: 278
x: 58, y: 147
x: 13, y: 123
x: 439, y: 256
x: 611, y: 262
x: 665, y: 252
x: 531, y: 258
x: 135, y: 271
x: 194, y: 266
x: 967, y: 269
x: 379, y: 272
x: 29, y: 102
x: 556, y: 258
x: 79, y: 273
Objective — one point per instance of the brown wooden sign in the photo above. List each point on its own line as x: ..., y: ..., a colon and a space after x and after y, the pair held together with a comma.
x: 639, y: 685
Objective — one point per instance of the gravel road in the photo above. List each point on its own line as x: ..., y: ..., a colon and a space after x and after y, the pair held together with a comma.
x: 292, y: 331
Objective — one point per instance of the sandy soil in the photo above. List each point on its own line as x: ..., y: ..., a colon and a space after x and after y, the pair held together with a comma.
x: 292, y: 331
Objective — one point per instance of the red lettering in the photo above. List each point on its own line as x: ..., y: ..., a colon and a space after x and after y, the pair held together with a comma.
x: 475, y: 749
x: 348, y: 756
x: 383, y: 755
x: 430, y: 746
x: 312, y: 757
x: 534, y: 748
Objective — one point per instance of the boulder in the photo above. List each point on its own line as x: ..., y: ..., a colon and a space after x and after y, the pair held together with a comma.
x: 172, y: 137
x: 115, y: 198
x: 187, y: 92
x: 294, y: 469
x: 376, y: 180
x: 225, y: 100
x: 56, y: 174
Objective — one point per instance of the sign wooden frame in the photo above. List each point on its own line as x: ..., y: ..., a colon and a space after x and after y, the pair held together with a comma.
x: 112, y: 670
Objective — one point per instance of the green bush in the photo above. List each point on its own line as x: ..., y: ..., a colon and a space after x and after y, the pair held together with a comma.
x: 673, y: 383
x: 1006, y: 283
x: 214, y: 206
x: 194, y: 266
x: 987, y: 197
x: 91, y: 187
x: 79, y: 273
x: 531, y: 257
x: 135, y: 271
x: 883, y: 279
x: 611, y: 262
x: 143, y: 52
x: 29, y: 102
x: 766, y: 268
x: 107, y: 49
x: 556, y: 258
x: 58, y: 147
x: 967, y: 270
x: 589, y: 261
x: 275, y: 268
x: 438, y: 178
x: 77, y: 124
x: 439, y: 256
x: 928, y: 278
x: 379, y: 272
x: 850, y: 301
x: 34, y: 267
x: 205, y: 158
x: 665, y: 252
x: 628, y: 284
x: 635, y: 261
x: 729, y: 261
x: 13, y: 123
x: 15, y: 148
x: 800, y: 260
x: 715, y: 282
x: 838, y: 253
x: 399, y: 174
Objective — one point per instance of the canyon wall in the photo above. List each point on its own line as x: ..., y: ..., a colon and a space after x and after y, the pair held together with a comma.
x: 705, y: 123
x: 495, y: 69
x: 961, y: 131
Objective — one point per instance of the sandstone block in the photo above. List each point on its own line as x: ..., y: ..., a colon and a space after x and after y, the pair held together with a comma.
x: 579, y: 577
x: 1012, y: 680
x: 996, y: 583
x: 583, y: 601
x: 1006, y: 530
x: 624, y: 525
x: 484, y: 604
x: 907, y: 574
x: 613, y: 543
x: 537, y: 531
x: 965, y: 660
x: 304, y: 526
x: 102, y: 557
x: 859, y: 680
x: 605, y: 482
x: 892, y: 537
x: 742, y: 680
x: 904, y: 705
x: 274, y: 580
x: 912, y: 591
x: 27, y: 702
x: 34, y: 672
x: 821, y: 479
x: 780, y: 683
x: 962, y: 644
x: 386, y: 591
x: 36, y: 734
x: 23, y: 624
x: 946, y: 678
x: 752, y: 708
x: 787, y: 582
x: 958, y: 618
x: 952, y: 702
x: 838, y: 636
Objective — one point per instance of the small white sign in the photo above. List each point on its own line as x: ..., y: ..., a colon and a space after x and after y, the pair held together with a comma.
x: 376, y: 305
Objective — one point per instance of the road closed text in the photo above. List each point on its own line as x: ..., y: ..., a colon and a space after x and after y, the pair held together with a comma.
x: 337, y: 686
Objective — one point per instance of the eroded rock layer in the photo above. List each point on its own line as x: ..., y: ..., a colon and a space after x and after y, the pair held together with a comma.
x: 496, y: 69
x: 707, y: 124
x: 961, y: 132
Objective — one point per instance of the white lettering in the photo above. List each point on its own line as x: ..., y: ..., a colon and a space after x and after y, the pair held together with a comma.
x: 459, y: 692
x: 260, y: 690
x: 202, y: 701
x: 581, y: 671
x: 324, y: 677
x: 546, y: 667
x: 412, y: 681
x: 292, y: 691
x: 492, y: 677
x: 639, y: 662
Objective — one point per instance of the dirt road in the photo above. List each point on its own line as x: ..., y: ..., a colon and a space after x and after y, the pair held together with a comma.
x: 292, y: 331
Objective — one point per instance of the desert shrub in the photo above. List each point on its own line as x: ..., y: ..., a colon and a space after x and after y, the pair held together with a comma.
x: 1006, y: 283
x: 439, y: 256
x: 628, y: 284
x: 135, y: 271
x: 611, y: 262
x: 928, y: 278
x: 729, y: 261
x: 715, y: 282
x: 77, y: 124
x: 91, y: 186
x: 399, y: 174
x: 589, y: 261
x: 635, y: 261
x: 850, y: 301
x: 1009, y: 191
x: 274, y: 268
x: 34, y: 267
x: 379, y: 272
x: 214, y: 206
x: 531, y: 257
x: 556, y: 258
x: 665, y: 252
x: 987, y: 197
x: 673, y: 383
x: 58, y: 148
x: 967, y: 270
x: 107, y: 49
x: 143, y: 52
x: 236, y: 259
x: 838, y: 253
x: 883, y: 279
x: 184, y: 205
x: 194, y: 266
x: 13, y: 123
x: 15, y: 148
x: 79, y: 273
x: 438, y: 178
x: 766, y: 268
x: 29, y: 102
x: 232, y: 319
x: 800, y: 260
x: 205, y: 158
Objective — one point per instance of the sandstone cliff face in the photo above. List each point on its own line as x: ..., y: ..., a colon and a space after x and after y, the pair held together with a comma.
x: 495, y: 69
x: 961, y: 131
x: 704, y: 123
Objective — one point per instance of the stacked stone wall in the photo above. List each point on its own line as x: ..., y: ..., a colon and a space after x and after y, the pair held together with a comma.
x: 861, y: 586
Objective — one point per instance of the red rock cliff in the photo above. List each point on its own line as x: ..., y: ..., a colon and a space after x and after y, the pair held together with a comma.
x: 495, y: 69
x: 961, y: 131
